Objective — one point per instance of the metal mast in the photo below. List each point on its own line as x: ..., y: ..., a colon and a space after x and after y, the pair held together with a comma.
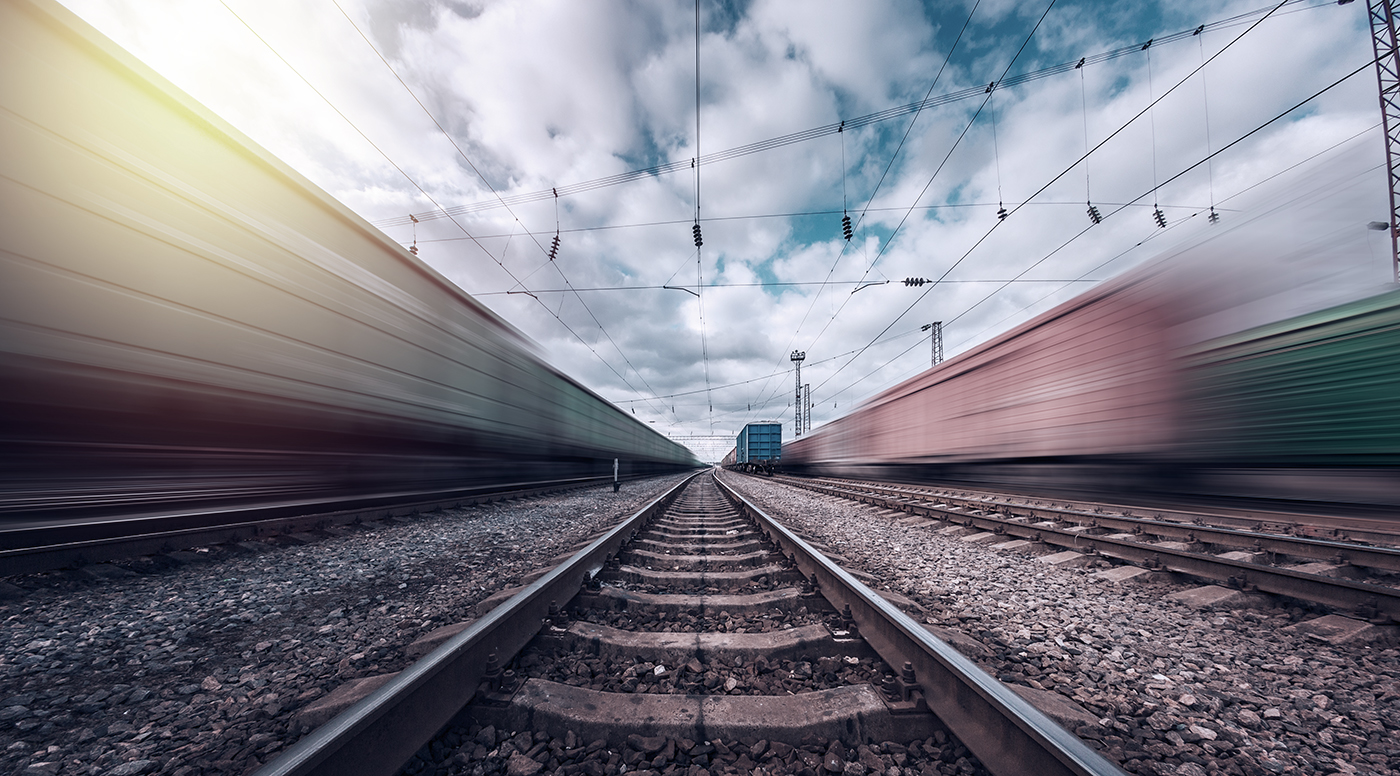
x: 796, y: 358
x: 806, y: 407
x: 935, y: 341
x: 1387, y: 47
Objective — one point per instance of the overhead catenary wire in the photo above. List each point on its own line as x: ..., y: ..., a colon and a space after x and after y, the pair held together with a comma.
x: 1093, y: 212
x: 871, y: 200
x: 972, y: 205
x: 827, y: 129
x: 1205, y: 108
x: 763, y: 284
x: 1179, y: 174
x: 909, y: 211
x: 699, y: 265
x: 1067, y: 170
x: 550, y: 253
x: 996, y: 151
x: 412, y: 181
x: 1152, y: 121
x: 1084, y: 277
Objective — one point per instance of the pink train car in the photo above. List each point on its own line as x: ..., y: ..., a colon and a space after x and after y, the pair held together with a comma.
x: 1092, y: 380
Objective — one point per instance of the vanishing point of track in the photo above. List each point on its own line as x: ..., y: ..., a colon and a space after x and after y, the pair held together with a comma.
x: 726, y: 560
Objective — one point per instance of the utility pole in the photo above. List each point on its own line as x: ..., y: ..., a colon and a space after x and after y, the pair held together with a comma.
x: 796, y: 358
x: 935, y: 341
x: 806, y: 407
x: 1386, y: 43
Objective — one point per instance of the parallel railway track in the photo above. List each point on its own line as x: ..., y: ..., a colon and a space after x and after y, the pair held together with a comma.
x: 38, y: 545
x: 735, y: 568
x: 1348, y: 528
x: 1155, y: 543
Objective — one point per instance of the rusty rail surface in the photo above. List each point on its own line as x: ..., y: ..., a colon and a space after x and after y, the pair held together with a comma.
x: 1374, y: 602
x: 1006, y: 733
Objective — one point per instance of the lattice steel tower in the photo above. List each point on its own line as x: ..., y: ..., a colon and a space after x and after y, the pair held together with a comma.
x: 1387, y: 47
x: 935, y: 341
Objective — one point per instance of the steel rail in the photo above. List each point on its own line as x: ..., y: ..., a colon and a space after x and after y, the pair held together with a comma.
x: 1374, y: 602
x: 1005, y: 732
x: 376, y: 736
x: 1339, y: 552
x: 34, y: 549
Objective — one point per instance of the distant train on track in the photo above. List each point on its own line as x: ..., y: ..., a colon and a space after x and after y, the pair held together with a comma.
x: 1102, y: 394
x: 182, y: 316
x: 758, y: 448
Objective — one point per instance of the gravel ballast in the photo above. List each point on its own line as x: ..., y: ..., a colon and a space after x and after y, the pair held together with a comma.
x: 1176, y: 690
x: 197, y: 662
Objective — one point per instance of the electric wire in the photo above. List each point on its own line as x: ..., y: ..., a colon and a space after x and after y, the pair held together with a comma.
x: 871, y: 200
x: 1066, y: 171
x: 996, y: 150
x: 765, y: 284
x: 890, y: 240
x: 1205, y: 108
x: 412, y: 182
x: 497, y: 195
x: 1184, y: 171
x: 1152, y: 121
x: 797, y: 214
x: 699, y: 266
x: 1084, y: 111
x: 828, y: 129
x: 1083, y: 277
x: 1154, y: 233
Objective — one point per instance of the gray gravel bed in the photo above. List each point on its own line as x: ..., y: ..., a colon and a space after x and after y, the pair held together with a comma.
x: 1177, y: 690
x: 198, y: 666
x: 705, y: 677
x: 477, y: 751
x: 723, y: 622
x: 764, y: 584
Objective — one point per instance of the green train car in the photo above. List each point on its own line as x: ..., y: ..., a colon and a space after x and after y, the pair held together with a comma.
x: 1306, y: 405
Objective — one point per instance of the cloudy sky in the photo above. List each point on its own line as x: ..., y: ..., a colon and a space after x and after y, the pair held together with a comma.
x: 469, y: 115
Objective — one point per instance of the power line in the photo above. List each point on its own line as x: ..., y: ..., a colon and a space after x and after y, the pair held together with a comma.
x: 415, y: 184
x: 699, y: 265
x: 825, y: 130
x: 1184, y: 171
x: 758, y: 216
x: 860, y: 219
x: 890, y: 240
x: 1155, y: 232
x: 1076, y: 163
x: 497, y: 194
x: 773, y: 284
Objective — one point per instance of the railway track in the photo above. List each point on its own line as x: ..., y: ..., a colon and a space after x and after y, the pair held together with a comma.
x: 31, y: 545
x: 1238, y: 558
x: 1349, y: 529
x: 696, y: 632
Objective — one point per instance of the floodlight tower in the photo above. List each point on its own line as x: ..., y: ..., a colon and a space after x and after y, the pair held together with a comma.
x: 796, y: 358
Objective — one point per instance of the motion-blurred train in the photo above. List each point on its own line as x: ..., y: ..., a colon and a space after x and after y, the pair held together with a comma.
x: 182, y: 316
x: 1110, y: 394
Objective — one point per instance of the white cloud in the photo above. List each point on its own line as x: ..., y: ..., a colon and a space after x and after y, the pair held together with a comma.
x: 546, y: 93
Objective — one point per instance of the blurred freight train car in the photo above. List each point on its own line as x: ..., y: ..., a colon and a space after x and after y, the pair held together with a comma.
x: 182, y: 316
x: 1105, y: 394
